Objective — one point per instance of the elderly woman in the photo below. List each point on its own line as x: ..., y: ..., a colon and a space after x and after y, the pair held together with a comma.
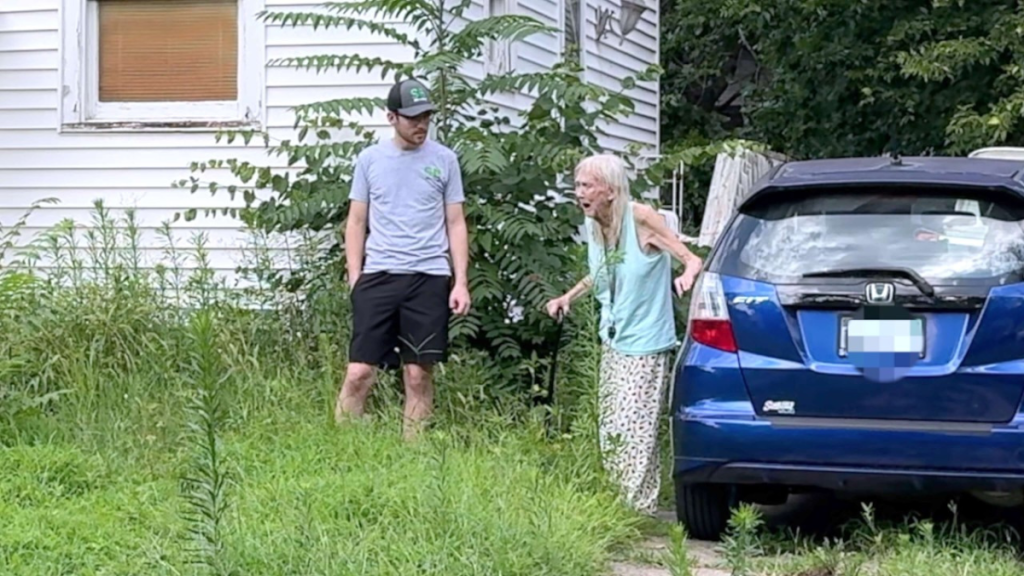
x: 630, y: 251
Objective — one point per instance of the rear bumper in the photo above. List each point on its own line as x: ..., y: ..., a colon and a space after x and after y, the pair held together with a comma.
x: 857, y: 480
x: 727, y: 447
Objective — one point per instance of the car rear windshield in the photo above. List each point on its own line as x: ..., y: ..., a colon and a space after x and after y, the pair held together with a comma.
x: 944, y: 237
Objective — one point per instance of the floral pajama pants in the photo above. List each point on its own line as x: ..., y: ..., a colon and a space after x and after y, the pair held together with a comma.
x: 631, y: 392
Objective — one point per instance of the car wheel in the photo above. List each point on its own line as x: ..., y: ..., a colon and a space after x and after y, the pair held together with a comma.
x: 705, y: 508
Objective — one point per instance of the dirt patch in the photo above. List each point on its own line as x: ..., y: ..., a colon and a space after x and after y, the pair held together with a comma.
x: 651, y: 557
x: 630, y: 569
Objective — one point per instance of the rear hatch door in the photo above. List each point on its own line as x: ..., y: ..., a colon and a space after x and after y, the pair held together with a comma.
x: 898, y: 303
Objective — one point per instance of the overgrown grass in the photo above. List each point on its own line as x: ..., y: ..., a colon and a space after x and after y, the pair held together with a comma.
x: 914, y: 544
x: 916, y: 541
x: 154, y: 422
x: 312, y: 499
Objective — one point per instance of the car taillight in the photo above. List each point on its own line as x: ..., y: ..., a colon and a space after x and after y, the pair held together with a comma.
x: 709, y: 318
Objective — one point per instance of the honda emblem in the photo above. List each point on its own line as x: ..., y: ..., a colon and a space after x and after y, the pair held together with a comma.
x: 880, y: 293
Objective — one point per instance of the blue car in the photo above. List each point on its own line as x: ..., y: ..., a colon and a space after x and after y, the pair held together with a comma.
x: 858, y: 329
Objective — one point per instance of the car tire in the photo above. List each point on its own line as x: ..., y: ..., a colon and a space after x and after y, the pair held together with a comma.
x: 704, y: 509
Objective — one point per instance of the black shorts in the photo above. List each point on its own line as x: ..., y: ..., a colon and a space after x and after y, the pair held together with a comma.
x: 407, y: 312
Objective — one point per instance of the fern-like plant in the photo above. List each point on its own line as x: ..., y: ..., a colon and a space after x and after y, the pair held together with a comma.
x: 518, y: 232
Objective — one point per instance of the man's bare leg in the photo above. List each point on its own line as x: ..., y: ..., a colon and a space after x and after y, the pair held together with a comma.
x: 354, y: 391
x: 419, y: 399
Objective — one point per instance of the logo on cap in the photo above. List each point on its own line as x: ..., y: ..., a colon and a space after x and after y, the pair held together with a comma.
x: 417, y: 94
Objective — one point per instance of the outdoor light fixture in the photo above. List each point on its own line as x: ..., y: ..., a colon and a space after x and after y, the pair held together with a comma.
x: 629, y: 16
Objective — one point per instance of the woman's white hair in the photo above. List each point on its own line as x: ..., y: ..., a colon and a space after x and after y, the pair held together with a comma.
x: 609, y: 170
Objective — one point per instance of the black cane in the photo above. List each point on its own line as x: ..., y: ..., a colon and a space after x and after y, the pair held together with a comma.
x: 550, y: 399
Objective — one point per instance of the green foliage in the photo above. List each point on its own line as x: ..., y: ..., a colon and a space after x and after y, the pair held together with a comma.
x: 837, y: 78
x: 205, y: 488
x: 973, y: 46
x: 512, y: 165
x: 680, y: 561
x: 906, y: 541
x: 318, y: 501
x: 834, y: 89
x: 741, y: 545
x: 699, y: 52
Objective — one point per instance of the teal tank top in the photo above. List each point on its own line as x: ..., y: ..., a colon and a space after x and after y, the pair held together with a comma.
x: 634, y: 290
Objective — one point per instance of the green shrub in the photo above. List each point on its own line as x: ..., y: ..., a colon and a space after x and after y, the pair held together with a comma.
x: 519, y: 233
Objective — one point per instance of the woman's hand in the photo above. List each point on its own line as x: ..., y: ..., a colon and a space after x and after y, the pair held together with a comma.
x: 684, y: 281
x: 558, y: 307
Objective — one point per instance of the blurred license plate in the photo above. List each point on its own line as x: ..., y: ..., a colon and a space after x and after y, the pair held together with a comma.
x: 881, y: 336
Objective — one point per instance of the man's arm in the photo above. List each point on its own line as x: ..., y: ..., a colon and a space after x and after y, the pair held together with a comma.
x: 355, y: 225
x: 355, y: 239
x: 458, y: 240
x: 660, y: 236
x: 455, y: 220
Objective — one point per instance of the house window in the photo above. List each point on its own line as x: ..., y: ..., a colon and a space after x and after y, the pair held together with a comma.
x: 167, y: 50
x: 142, y: 64
x: 500, y: 56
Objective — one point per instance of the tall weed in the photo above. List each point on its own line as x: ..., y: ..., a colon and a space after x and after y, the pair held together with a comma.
x: 207, y: 483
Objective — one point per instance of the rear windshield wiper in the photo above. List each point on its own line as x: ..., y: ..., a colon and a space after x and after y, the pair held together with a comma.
x: 911, y: 275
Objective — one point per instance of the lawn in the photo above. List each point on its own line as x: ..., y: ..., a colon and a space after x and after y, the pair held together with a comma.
x: 234, y: 460
x: 145, y: 436
x: 308, y: 498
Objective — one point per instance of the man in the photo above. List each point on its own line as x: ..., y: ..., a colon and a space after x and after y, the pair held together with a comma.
x: 409, y: 191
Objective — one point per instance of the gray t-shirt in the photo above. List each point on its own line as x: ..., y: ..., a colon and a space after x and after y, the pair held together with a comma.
x: 407, y: 191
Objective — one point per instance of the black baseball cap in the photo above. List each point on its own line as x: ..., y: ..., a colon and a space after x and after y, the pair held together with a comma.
x: 410, y: 98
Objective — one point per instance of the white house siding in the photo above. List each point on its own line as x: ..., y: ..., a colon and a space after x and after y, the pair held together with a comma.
x: 607, y: 63
x: 536, y: 53
x: 134, y: 169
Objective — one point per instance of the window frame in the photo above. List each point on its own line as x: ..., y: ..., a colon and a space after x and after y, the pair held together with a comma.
x: 81, y: 109
x: 582, y: 32
x: 511, y: 53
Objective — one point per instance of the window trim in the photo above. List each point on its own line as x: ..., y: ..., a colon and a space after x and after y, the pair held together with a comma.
x: 80, y: 109
x: 562, y: 41
x: 511, y: 48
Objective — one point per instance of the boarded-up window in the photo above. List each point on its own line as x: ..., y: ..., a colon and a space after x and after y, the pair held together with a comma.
x: 168, y: 50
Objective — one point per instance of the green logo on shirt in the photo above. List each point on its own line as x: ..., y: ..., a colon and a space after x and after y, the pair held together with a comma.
x: 432, y: 171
